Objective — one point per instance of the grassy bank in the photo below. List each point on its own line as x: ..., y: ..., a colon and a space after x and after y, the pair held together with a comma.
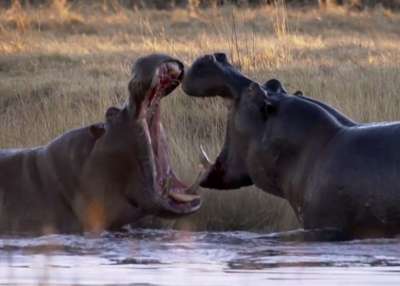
x: 61, y: 68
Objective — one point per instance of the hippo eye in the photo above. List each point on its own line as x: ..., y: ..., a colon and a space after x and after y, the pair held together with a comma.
x: 97, y: 130
x: 112, y: 112
x: 267, y: 109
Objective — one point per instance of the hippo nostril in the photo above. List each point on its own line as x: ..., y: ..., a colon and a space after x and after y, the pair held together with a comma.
x: 210, y: 58
x: 221, y: 57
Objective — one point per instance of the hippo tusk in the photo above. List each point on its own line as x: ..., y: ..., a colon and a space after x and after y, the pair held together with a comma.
x: 204, y: 160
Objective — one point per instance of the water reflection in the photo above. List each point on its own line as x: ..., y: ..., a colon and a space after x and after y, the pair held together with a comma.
x: 159, y: 257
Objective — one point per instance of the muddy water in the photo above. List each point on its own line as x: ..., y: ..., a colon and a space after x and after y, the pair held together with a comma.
x: 154, y: 257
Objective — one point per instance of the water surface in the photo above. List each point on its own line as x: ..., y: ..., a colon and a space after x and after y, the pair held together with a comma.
x: 165, y: 257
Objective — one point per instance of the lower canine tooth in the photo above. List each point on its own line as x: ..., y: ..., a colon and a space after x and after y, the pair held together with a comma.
x: 204, y: 160
x: 183, y: 198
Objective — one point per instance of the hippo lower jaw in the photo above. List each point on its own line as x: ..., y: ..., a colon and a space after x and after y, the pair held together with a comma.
x: 172, y: 195
x: 216, y: 176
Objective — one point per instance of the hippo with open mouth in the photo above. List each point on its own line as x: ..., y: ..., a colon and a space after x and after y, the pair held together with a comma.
x: 342, y: 178
x: 102, y: 176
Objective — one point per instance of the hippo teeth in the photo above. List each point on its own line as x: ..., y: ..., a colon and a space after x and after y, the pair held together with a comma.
x: 204, y: 160
x: 186, y: 196
x: 183, y: 198
x: 174, y: 69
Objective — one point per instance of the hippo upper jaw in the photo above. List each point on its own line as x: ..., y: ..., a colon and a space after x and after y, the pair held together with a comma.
x: 212, y: 75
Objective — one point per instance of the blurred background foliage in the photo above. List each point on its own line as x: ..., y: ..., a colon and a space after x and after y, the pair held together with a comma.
x: 170, y: 4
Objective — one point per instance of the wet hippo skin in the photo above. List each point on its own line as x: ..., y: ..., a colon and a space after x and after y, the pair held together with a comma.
x: 338, y: 175
x: 102, y: 176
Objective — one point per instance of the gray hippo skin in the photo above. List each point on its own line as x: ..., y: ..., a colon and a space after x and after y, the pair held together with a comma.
x: 338, y: 175
x: 102, y: 176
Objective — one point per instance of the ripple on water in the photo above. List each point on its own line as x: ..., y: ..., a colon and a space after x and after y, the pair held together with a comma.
x: 167, y: 257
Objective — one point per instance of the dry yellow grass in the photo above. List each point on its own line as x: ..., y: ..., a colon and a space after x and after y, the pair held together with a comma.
x: 60, y: 68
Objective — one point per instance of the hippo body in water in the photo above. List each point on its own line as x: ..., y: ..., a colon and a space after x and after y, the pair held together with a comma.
x: 102, y: 176
x: 339, y: 176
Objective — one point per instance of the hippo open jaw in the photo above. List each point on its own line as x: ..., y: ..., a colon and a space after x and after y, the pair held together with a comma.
x: 173, y: 195
x: 210, y: 76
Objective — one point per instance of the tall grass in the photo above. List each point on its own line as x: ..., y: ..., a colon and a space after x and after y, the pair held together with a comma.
x: 61, y: 72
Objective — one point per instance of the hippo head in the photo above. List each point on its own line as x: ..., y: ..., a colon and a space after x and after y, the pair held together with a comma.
x: 213, y: 75
x: 131, y: 152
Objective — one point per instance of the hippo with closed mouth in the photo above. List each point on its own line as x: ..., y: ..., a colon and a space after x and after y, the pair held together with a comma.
x: 339, y: 176
x: 102, y: 176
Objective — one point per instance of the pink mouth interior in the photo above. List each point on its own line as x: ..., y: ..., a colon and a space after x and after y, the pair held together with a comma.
x: 166, y: 180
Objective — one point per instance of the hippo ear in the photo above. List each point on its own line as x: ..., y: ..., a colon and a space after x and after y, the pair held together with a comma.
x: 265, y: 102
x: 222, y: 58
x: 298, y: 93
x: 97, y: 130
x: 274, y: 86
x: 112, y: 112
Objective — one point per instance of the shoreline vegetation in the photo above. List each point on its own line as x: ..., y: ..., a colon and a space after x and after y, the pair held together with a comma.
x: 63, y: 64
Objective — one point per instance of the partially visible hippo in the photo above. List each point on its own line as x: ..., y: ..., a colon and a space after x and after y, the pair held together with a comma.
x: 338, y: 175
x: 102, y: 176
